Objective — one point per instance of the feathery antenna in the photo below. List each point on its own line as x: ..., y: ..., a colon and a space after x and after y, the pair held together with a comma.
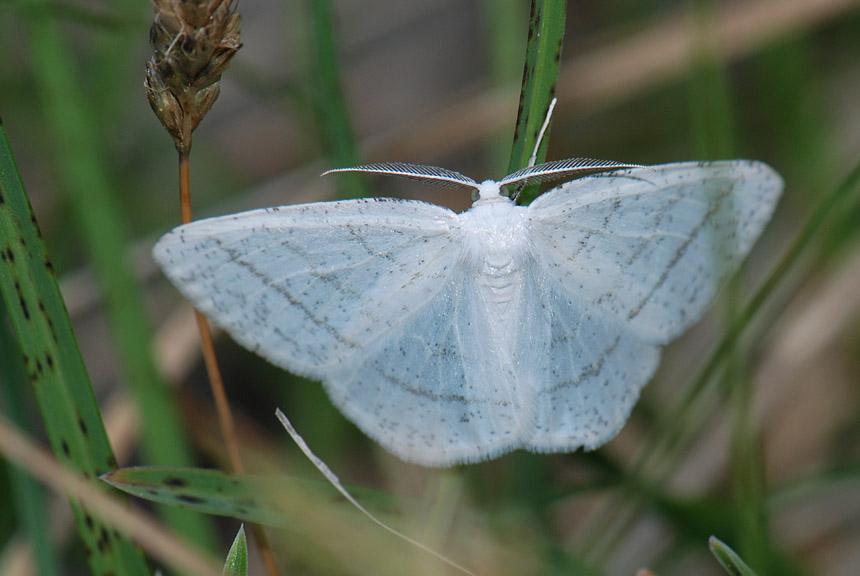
x: 561, y: 169
x: 427, y: 174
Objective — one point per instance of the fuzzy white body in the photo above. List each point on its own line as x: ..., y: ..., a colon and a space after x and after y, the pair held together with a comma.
x: 457, y: 337
x: 496, y: 249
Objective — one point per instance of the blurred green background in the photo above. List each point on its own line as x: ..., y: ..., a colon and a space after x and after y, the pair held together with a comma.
x: 766, y: 455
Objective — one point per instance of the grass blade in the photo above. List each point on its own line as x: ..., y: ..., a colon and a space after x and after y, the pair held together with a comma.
x: 329, y: 106
x: 276, y: 501
x: 714, y: 122
x: 210, y: 492
x: 165, y: 545
x: 540, y: 75
x: 54, y: 365
x: 729, y: 559
x: 237, y: 558
x: 27, y: 497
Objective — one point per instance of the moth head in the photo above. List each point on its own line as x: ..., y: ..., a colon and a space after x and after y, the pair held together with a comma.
x: 487, y: 191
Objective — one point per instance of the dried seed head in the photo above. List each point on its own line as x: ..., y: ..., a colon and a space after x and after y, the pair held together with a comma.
x: 193, y: 42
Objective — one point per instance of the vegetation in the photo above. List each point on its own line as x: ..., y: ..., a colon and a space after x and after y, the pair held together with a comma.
x: 749, y: 432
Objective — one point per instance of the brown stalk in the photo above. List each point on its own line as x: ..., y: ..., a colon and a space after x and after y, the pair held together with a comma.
x: 193, y: 42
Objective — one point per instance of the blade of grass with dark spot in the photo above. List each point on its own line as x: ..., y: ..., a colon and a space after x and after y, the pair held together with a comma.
x: 540, y: 76
x: 99, y: 218
x: 302, y: 506
x: 28, y: 497
x: 166, y: 546
x: 206, y: 491
x: 276, y: 501
x: 54, y: 365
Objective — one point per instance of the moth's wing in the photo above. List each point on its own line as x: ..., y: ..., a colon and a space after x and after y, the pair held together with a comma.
x: 651, y: 246
x: 309, y: 287
x: 433, y: 390
x: 583, y: 367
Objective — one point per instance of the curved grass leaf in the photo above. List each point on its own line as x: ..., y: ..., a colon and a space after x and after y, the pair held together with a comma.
x: 54, y: 365
x: 26, y: 497
x: 207, y: 491
x: 276, y: 501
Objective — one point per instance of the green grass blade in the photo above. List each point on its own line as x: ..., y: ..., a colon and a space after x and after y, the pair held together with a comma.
x: 729, y: 560
x: 207, y: 491
x: 787, y: 88
x: 237, y: 558
x: 54, y: 365
x: 712, y: 110
x: 99, y: 218
x: 840, y: 475
x: 746, y: 470
x: 27, y: 496
x: 329, y: 106
x: 505, y: 35
x: 540, y: 75
x: 116, y: 61
x: 714, y: 127
x: 276, y: 501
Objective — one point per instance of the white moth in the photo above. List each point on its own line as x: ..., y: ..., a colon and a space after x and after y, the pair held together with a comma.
x: 454, y: 338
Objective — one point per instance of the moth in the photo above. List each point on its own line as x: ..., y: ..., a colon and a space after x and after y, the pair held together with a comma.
x: 453, y: 338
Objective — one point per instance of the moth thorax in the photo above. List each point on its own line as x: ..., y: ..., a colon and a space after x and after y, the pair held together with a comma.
x: 495, y: 238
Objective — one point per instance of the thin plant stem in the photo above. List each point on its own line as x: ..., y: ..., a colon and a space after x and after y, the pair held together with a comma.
x: 185, y: 186
x: 181, y: 86
x: 222, y: 406
x: 216, y: 382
